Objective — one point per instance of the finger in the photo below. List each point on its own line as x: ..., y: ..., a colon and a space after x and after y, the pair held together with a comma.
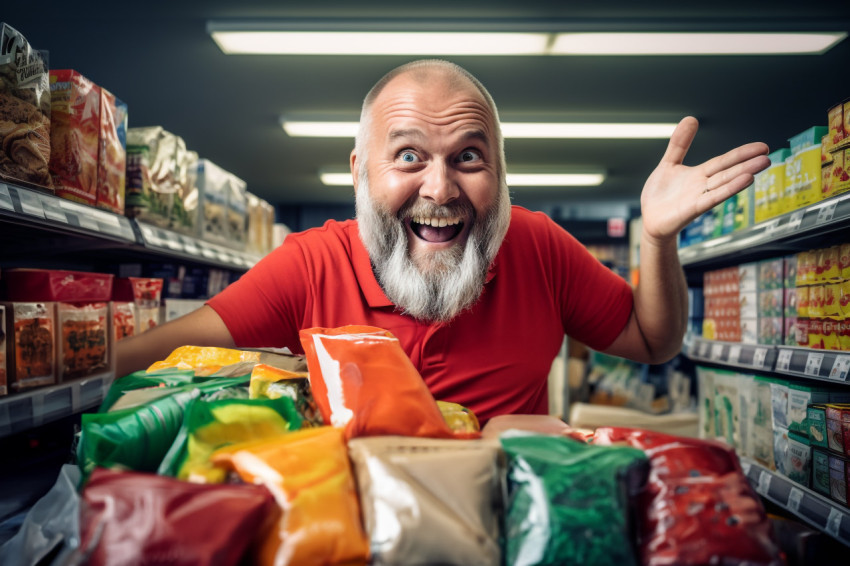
x: 749, y: 167
x: 735, y: 156
x: 735, y: 185
x: 680, y: 141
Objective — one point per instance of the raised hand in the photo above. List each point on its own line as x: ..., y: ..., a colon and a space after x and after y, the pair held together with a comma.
x: 675, y: 194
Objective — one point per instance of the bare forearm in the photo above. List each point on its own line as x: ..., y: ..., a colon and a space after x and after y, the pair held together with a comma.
x: 661, y: 298
x: 202, y: 327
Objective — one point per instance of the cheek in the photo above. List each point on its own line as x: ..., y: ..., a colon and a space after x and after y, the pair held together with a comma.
x: 393, y: 190
x: 482, y: 192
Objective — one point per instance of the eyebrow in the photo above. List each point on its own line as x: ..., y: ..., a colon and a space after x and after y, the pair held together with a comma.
x: 415, y: 133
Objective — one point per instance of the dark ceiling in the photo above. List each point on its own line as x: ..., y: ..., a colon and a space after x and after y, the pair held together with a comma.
x: 158, y: 58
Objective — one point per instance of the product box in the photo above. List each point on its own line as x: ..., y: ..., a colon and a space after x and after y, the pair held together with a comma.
x: 825, y: 151
x: 82, y: 339
x: 840, y: 180
x: 175, y: 308
x: 789, y: 336
x: 816, y: 300
x: 838, y: 479
x: 830, y: 335
x: 826, y: 179
x: 771, y: 303
x: 748, y: 277
x: 155, y: 174
x: 799, y: 457
x: 213, y: 184
x: 760, y: 428
x: 837, y: 416
x: 730, y: 209
x: 112, y: 153
x: 4, y: 383
x: 820, y: 471
x: 237, y: 213
x: 748, y: 305
x: 748, y: 332
x: 806, y: 267
x: 123, y: 319
x: 74, y: 132
x: 804, y: 170
x: 779, y: 402
x: 780, y: 450
x: 57, y: 285
x: 836, y: 132
x: 771, y: 274
x: 807, y: 138
x: 816, y: 425
x: 761, y: 211
x: 828, y: 268
x: 776, y: 183
x: 30, y: 344
x: 789, y: 303
x: 744, y: 208
x: 770, y: 330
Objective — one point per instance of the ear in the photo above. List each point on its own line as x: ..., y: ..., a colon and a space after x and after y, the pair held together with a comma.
x: 353, y: 165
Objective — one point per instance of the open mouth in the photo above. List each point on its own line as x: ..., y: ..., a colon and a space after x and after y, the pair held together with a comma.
x: 436, y: 230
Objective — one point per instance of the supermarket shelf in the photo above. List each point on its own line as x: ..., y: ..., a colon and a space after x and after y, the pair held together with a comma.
x: 40, y: 210
x: 820, y: 512
x: 24, y: 411
x: 787, y: 230
x: 821, y: 365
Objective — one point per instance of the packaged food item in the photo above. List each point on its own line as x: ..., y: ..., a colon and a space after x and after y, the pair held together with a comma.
x: 726, y: 408
x: 840, y: 181
x: 790, y: 303
x: 123, y: 319
x: 31, y: 344
x: 837, y: 478
x: 836, y: 133
x: 698, y: 506
x: 145, y: 293
x: 826, y: 179
x: 57, y: 285
x: 24, y: 111
x: 816, y: 421
x: 844, y: 260
x: 803, y: 301
x: 364, y: 382
x: 4, y: 383
x: 160, y: 520
x: 210, y: 425
x: 112, y: 153
x: 310, y: 475
x: 761, y: 211
x: 458, y: 417
x: 835, y: 415
x: 82, y: 339
x: 74, y: 132
x: 204, y: 360
x: 799, y: 455
x: 780, y: 450
x: 816, y: 301
x: 417, y: 513
x: 760, y: 428
x: 844, y: 335
x: 777, y: 183
x: 213, y: 184
x: 185, y: 206
x: 815, y: 334
x: 830, y: 335
x: 269, y: 382
x: 779, y: 402
x: 237, y: 216
x: 568, y: 502
x: 153, y: 174
x: 143, y: 380
x: 820, y: 472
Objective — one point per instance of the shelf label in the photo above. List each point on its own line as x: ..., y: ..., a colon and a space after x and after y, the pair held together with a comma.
x: 746, y: 467
x: 704, y: 348
x: 826, y: 213
x: 840, y: 368
x: 52, y: 210
x: 764, y: 483
x: 758, y: 357
x: 5, y: 198
x: 795, y: 497
x: 734, y: 354
x: 717, y: 352
x: 796, y: 220
x: 783, y: 361
x: 771, y: 227
x: 813, y: 363
x: 833, y: 522
x: 30, y: 204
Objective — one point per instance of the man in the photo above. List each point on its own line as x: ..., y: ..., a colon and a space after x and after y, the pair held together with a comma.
x: 478, y: 293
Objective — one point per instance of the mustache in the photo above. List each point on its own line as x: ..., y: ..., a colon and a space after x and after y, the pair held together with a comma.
x: 419, y: 207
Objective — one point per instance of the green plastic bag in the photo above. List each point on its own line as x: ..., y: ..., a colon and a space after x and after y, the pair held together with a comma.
x: 138, y: 438
x: 209, y: 425
x: 141, y: 380
x: 568, y: 502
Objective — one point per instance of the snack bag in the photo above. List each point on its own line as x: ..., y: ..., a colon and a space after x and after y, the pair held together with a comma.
x: 269, y: 382
x: 139, y: 518
x: 458, y: 417
x: 364, y: 382
x: 142, y: 380
x: 429, y: 501
x: 698, y: 507
x: 112, y: 153
x: 569, y: 502
x: 24, y: 111
x: 310, y: 475
x: 210, y: 425
x: 204, y: 360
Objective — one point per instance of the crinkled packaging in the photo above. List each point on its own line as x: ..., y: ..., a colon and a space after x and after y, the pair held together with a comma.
x: 309, y: 473
x: 429, y: 501
x: 269, y: 382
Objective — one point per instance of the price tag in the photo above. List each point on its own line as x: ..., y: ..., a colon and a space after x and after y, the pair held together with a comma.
x: 190, y: 246
x: 52, y: 210
x: 813, y: 364
x: 796, y: 220
x: 764, y: 483
x: 172, y: 241
x: 734, y: 354
x: 795, y: 497
x: 826, y: 213
x: 758, y: 357
x: 30, y: 203
x: 840, y: 368
x: 772, y: 226
x: 717, y: 352
x: 206, y: 251
x: 704, y: 350
x: 833, y: 522
x: 150, y: 235
x: 783, y: 361
x: 5, y: 198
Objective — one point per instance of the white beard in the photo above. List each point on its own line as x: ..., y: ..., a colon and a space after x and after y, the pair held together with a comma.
x: 434, y: 286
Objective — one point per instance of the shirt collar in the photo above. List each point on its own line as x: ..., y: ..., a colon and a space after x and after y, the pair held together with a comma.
x: 375, y: 296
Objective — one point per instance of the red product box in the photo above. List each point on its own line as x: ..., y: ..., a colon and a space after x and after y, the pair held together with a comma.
x: 123, y: 319
x: 112, y: 153
x: 143, y: 291
x: 74, y: 132
x: 838, y: 427
x: 30, y: 344
x: 57, y: 285
x: 82, y: 339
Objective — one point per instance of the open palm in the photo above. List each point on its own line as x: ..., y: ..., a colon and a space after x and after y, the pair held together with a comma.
x: 675, y: 194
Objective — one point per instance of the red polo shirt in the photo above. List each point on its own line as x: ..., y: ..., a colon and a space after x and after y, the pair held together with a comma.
x: 493, y: 358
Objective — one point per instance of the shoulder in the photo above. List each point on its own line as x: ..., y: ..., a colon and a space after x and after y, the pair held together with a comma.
x: 537, y: 226
x: 333, y: 233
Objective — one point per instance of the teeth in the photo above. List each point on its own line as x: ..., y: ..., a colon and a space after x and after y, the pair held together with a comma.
x: 436, y: 222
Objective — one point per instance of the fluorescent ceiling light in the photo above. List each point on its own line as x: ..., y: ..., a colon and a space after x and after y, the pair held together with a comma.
x: 380, y: 43
x: 702, y: 43
x: 514, y: 180
x: 537, y: 130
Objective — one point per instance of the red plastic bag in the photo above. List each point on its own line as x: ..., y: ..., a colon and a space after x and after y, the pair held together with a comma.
x: 698, y: 507
x: 133, y: 518
x: 363, y: 382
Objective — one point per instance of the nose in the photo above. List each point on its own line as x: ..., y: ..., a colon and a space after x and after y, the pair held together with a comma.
x: 438, y: 185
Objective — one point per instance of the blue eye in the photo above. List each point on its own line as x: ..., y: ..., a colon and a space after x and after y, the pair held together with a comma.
x: 468, y: 155
x: 408, y: 157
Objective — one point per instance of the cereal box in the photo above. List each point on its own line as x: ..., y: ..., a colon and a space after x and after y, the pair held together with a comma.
x: 74, y: 133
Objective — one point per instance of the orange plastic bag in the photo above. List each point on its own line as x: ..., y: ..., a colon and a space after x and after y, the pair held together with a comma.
x: 310, y: 476
x: 364, y: 382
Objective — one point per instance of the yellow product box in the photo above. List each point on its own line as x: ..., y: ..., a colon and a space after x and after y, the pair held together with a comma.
x: 840, y: 180
x: 776, y: 198
x: 760, y: 211
x: 825, y: 150
x: 826, y: 179
x: 806, y: 172
x: 835, y: 119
